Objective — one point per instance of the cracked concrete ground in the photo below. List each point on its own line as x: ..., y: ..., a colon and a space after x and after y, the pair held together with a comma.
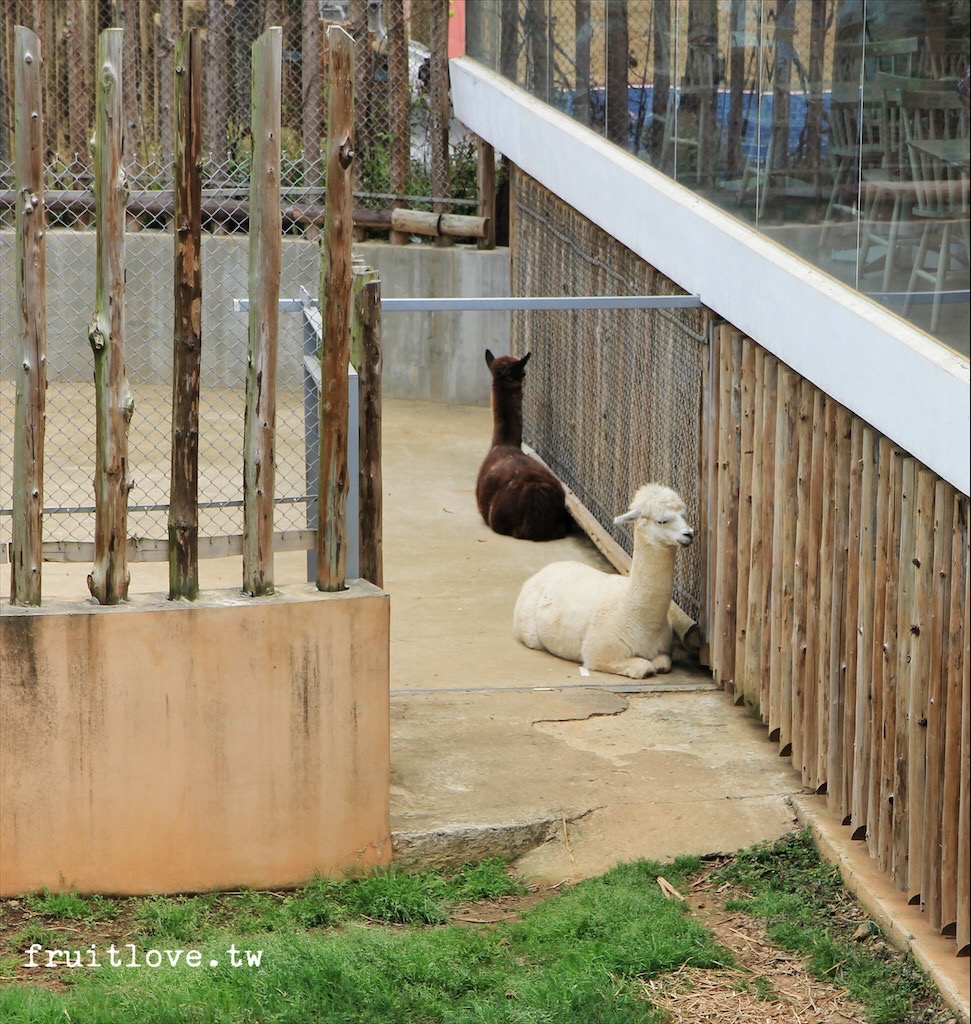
x: 501, y: 750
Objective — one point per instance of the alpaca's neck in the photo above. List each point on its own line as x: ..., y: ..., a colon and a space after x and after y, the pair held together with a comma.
x: 507, y: 416
x: 652, y: 578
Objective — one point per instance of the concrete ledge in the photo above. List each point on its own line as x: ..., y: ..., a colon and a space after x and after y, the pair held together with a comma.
x: 163, y: 746
x: 903, y: 925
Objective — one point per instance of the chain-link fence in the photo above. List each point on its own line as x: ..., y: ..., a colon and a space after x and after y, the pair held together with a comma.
x: 404, y: 158
x: 615, y: 397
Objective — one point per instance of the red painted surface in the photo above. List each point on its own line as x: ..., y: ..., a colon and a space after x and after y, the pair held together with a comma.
x: 456, y: 28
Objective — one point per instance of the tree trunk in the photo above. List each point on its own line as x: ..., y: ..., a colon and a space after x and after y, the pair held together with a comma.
x: 538, y: 50
x: 618, y: 53
x: 440, y: 109
x: 662, y: 68
x: 218, y: 86
x: 509, y: 40
x: 168, y: 29
x: 581, y: 92
x: 398, y: 106
x: 736, y: 101
x: 312, y: 93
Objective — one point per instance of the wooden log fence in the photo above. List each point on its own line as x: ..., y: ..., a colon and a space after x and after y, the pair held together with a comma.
x: 183, y: 524
x: 265, y: 256
x: 114, y: 405
x: 111, y: 547
x: 28, y: 467
x: 840, y: 615
x: 335, y: 302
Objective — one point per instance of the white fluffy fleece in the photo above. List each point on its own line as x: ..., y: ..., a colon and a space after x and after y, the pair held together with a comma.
x: 607, y: 622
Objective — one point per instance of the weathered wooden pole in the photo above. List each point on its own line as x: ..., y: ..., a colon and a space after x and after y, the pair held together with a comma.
x: 335, y: 304
x: 370, y: 551
x: 109, y: 577
x: 187, y: 334
x: 265, y: 248
x: 361, y: 275
x: 28, y: 447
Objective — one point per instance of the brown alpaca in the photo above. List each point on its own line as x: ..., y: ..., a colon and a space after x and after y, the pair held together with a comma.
x: 517, y: 495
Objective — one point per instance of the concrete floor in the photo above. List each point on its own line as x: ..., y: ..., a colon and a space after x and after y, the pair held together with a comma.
x: 500, y: 749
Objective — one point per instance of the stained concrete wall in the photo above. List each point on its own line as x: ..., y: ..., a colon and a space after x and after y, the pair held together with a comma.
x: 430, y: 356
x: 161, y: 747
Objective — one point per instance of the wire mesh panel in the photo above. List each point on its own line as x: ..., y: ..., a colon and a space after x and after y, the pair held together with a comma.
x: 615, y: 397
x: 395, y: 78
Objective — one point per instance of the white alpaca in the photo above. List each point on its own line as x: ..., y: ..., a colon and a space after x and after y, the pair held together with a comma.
x: 612, y: 623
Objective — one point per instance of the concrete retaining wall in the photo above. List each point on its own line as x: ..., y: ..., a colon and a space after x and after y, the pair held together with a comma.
x: 162, y: 747
x: 430, y: 356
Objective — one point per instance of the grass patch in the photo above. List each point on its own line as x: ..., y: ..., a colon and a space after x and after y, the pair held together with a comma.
x: 577, y: 956
x: 390, y: 947
x: 808, y: 911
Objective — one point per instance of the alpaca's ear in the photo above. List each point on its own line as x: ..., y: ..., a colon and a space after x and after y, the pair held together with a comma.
x: 627, y: 517
x: 490, y: 359
x: 524, y: 360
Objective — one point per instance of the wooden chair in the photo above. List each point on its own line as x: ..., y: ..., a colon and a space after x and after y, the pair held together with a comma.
x: 854, y: 147
x: 941, y: 183
x: 891, y: 56
x: 889, y: 192
x: 945, y: 59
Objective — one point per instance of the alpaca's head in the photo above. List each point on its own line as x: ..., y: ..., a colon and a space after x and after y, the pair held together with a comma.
x: 507, y: 371
x: 657, y: 513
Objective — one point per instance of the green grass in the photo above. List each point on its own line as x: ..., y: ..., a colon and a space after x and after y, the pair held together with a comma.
x: 384, y: 949
x: 574, y: 957
x: 808, y: 911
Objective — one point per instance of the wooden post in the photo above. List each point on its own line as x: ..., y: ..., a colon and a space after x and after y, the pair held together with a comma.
x: 842, y: 646
x: 371, y: 558
x: 335, y: 304
x: 920, y: 629
x: 28, y: 446
x: 762, y: 603
x: 109, y: 577
x: 361, y: 276
x: 933, y: 795
x: 954, y: 796
x: 785, y: 490
x: 864, y: 547
x: 746, y: 683
x: 265, y: 247
x: 486, y: 187
x: 187, y: 335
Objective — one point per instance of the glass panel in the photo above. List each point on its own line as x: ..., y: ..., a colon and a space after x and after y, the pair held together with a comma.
x: 802, y: 118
